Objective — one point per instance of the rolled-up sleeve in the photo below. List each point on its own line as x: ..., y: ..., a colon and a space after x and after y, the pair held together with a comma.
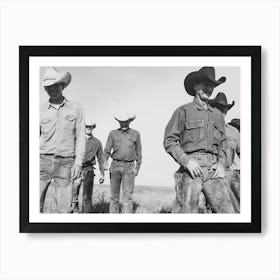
x: 80, y: 144
x: 138, y: 152
x: 172, y: 137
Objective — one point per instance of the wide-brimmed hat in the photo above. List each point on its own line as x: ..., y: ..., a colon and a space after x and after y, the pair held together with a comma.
x: 204, y: 74
x: 124, y: 118
x: 221, y: 101
x: 90, y: 123
x: 52, y: 76
x: 235, y: 123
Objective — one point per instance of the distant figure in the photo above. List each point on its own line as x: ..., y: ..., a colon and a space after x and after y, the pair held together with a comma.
x: 232, y: 177
x: 62, y: 141
x: 126, y: 146
x: 93, y: 150
x: 195, y: 137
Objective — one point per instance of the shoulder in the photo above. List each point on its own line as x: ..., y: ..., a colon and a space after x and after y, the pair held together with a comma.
x: 184, y: 107
x: 134, y: 132
x: 232, y: 131
x: 75, y: 105
x: 113, y: 132
x: 44, y: 106
x: 96, y: 140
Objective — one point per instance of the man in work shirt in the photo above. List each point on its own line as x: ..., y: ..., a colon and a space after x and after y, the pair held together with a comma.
x: 93, y: 150
x: 195, y: 137
x: 232, y: 178
x: 62, y: 141
x: 232, y: 175
x: 126, y: 146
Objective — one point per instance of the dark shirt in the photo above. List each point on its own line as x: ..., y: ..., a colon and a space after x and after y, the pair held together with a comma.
x: 194, y: 128
x: 126, y: 146
x: 94, y: 149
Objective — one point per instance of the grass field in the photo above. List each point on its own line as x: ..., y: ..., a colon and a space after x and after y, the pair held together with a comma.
x: 146, y: 199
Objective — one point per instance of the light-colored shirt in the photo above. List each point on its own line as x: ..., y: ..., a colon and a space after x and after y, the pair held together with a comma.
x: 126, y: 145
x: 233, y: 151
x: 62, y: 130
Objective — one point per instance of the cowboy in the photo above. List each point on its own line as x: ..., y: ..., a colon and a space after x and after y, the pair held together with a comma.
x: 232, y: 176
x: 195, y: 137
x: 62, y: 141
x: 93, y: 150
x: 126, y: 146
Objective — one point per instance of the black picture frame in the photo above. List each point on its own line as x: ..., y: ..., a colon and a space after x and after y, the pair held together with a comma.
x: 254, y: 52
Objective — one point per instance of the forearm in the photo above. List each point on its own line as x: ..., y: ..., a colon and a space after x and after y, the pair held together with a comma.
x: 178, y: 154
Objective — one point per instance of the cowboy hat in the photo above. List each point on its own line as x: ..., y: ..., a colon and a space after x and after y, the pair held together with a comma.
x: 90, y: 123
x: 221, y: 101
x: 204, y: 74
x: 52, y: 77
x: 124, y: 118
x: 235, y: 123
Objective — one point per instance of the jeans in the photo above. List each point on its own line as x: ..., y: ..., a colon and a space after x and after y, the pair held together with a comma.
x: 58, y: 171
x: 122, y: 173
x: 188, y: 189
x: 232, y: 181
x: 87, y: 180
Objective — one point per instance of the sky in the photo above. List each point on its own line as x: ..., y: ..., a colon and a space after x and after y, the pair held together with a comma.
x: 152, y: 94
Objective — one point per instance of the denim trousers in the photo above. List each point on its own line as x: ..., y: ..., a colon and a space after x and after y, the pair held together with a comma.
x: 188, y: 189
x: 122, y: 173
x: 86, y: 181
x: 56, y: 170
x: 232, y: 181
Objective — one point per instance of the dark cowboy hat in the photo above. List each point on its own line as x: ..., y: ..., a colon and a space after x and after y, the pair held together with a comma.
x: 235, y: 123
x: 220, y: 101
x: 204, y: 74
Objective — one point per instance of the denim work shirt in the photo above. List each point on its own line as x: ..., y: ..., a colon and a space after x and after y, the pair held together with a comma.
x: 126, y: 145
x: 233, y: 151
x: 194, y: 128
x: 94, y: 150
x: 62, y: 130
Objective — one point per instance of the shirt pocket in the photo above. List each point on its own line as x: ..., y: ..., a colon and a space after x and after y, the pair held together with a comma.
x: 70, y: 121
x: 193, y: 130
x: 46, y: 126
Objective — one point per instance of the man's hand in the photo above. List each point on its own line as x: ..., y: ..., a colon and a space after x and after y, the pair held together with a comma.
x: 101, y: 179
x: 76, y: 171
x: 194, y: 168
x: 106, y: 165
x: 219, y: 171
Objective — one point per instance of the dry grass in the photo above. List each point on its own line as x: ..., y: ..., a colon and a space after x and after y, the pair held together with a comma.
x: 146, y: 199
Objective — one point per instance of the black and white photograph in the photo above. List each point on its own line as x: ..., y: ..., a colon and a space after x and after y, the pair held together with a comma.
x: 157, y: 138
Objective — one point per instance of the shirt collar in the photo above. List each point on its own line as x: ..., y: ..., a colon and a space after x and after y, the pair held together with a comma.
x: 200, y: 107
x: 64, y: 102
x: 124, y: 131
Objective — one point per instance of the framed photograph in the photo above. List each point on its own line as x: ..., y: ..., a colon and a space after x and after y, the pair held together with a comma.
x: 151, y: 132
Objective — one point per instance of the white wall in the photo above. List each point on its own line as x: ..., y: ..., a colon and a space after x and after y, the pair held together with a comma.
x: 124, y: 256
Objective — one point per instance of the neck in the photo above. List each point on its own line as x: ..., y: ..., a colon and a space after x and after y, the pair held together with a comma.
x: 203, y: 103
x: 88, y: 136
x: 58, y: 100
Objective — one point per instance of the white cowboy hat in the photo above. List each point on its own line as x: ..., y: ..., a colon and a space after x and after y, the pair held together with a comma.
x: 124, y: 118
x: 90, y: 123
x: 52, y: 77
